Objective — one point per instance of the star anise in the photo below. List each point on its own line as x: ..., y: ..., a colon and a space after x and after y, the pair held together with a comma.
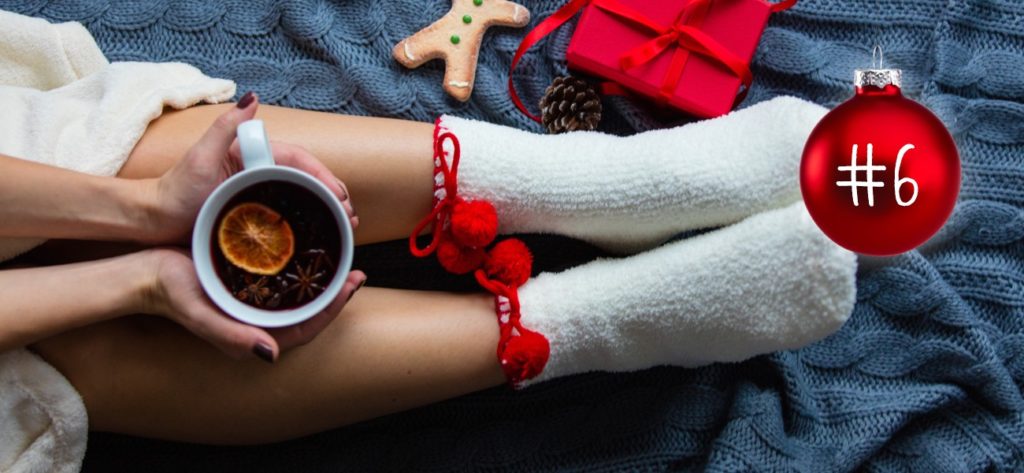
x: 255, y: 291
x: 305, y: 280
x: 321, y: 259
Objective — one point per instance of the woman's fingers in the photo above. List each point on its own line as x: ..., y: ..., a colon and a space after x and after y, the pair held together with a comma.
x: 179, y: 296
x: 346, y: 201
x: 220, y: 135
x: 305, y: 332
x: 297, y: 157
x: 238, y: 340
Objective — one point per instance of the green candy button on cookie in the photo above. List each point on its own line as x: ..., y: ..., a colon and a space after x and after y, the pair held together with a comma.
x: 455, y: 39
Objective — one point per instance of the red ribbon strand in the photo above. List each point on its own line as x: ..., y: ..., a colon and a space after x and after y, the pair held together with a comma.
x: 442, y: 210
x: 542, y: 29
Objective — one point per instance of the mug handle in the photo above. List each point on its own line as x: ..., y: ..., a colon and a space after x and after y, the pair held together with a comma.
x: 252, y: 139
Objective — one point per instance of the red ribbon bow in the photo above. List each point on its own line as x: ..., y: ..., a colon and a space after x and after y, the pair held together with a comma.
x: 687, y: 37
x: 683, y: 32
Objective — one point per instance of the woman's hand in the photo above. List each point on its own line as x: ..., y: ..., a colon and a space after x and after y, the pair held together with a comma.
x: 177, y: 295
x: 156, y: 281
x: 180, y: 192
x: 178, y: 196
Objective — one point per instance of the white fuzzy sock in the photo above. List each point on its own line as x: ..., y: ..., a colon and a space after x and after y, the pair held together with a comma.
x: 771, y: 282
x: 632, y: 193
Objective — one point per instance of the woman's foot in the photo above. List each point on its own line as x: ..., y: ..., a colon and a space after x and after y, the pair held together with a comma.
x: 771, y: 282
x: 632, y: 193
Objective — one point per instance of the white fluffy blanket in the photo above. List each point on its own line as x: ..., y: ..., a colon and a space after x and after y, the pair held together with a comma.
x: 63, y: 104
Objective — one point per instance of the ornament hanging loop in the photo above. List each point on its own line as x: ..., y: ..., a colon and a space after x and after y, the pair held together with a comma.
x: 876, y: 53
x: 878, y: 76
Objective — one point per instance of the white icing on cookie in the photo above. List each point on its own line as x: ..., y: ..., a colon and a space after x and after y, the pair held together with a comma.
x: 408, y: 54
x: 458, y: 83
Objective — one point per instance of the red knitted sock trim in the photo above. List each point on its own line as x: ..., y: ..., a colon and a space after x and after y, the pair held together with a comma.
x: 461, y: 232
x: 439, y: 191
x: 522, y: 353
x: 446, y: 162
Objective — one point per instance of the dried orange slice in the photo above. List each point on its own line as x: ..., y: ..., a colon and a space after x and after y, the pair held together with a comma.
x: 256, y: 238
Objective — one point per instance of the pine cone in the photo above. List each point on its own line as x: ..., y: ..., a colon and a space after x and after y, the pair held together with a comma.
x: 570, y: 104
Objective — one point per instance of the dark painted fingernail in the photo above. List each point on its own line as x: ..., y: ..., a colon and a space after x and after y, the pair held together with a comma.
x: 356, y: 289
x: 264, y: 352
x: 344, y: 193
x: 246, y: 100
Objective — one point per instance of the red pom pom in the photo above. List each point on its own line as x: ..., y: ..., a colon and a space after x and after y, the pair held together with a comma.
x: 510, y: 262
x: 525, y: 356
x: 459, y: 259
x: 474, y: 223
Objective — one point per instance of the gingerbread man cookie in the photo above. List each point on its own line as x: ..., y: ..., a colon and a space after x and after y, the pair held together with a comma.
x: 456, y: 38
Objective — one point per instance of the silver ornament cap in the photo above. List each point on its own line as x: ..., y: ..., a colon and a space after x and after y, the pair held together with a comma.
x: 877, y: 77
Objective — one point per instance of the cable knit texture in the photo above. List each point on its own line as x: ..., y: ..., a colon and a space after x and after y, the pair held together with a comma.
x: 926, y: 375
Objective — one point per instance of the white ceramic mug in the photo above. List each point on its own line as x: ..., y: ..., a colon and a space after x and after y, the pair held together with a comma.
x: 258, y: 161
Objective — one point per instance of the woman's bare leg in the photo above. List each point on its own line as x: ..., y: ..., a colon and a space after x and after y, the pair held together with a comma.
x: 389, y: 350
x: 385, y: 163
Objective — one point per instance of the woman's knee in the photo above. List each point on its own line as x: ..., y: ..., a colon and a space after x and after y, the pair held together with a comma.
x: 96, y: 359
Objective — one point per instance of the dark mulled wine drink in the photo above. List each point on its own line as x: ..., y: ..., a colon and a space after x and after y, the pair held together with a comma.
x: 276, y: 245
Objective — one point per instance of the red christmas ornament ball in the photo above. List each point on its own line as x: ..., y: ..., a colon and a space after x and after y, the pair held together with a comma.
x: 474, y: 222
x: 908, y: 200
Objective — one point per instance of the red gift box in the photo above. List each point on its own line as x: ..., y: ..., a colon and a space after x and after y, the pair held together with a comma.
x: 691, y: 54
x: 617, y: 40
